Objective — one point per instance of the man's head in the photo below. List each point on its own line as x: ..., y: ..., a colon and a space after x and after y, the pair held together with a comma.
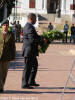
x: 17, y: 22
x: 50, y: 23
x: 66, y: 22
x: 5, y: 25
x: 32, y: 18
x: 14, y: 22
x: 72, y: 24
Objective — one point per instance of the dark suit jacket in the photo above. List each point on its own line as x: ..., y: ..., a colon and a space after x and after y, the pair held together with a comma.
x: 30, y: 41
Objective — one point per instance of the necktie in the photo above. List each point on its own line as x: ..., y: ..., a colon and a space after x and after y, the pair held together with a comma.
x: 4, y: 35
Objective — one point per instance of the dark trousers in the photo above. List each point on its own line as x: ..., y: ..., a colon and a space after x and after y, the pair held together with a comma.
x: 72, y: 38
x: 3, y: 73
x: 30, y: 70
x: 66, y: 33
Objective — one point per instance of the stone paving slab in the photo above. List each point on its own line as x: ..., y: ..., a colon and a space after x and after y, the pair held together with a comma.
x: 54, y: 68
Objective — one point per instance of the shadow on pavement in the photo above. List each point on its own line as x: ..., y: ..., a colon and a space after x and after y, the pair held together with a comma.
x: 35, y: 92
x: 62, y: 43
x: 70, y: 88
x: 53, y: 70
x: 18, y: 63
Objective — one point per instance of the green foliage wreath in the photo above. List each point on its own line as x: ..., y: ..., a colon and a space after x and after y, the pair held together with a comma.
x: 50, y: 36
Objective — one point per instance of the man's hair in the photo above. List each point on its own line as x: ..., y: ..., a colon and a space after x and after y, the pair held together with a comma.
x: 31, y: 15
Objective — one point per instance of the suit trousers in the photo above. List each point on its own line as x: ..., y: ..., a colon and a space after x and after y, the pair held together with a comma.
x: 3, y: 72
x: 30, y: 70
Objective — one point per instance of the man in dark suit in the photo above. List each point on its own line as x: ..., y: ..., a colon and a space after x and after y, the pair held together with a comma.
x: 30, y: 52
x: 72, y: 33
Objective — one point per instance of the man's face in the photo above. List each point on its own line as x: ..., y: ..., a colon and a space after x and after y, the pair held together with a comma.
x: 18, y: 22
x: 5, y: 27
x: 34, y: 20
x: 66, y: 22
x: 72, y: 24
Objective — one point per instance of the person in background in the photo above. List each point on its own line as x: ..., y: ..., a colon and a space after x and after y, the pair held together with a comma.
x: 22, y: 35
x: 72, y: 33
x: 66, y: 28
x: 18, y: 31
x: 14, y: 29
x: 50, y: 27
x: 7, y: 51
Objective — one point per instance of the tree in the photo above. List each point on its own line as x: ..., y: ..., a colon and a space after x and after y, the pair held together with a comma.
x: 1, y: 9
x: 6, y: 8
x: 10, y: 5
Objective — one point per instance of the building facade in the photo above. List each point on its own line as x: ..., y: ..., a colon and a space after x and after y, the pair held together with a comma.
x: 66, y: 7
x: 37, y: 6
x: 44, y: 6
x: 23, y: 7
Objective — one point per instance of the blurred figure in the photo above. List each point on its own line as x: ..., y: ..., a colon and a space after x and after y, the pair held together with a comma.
x: 14, y: 29
x: 18, y: 31
x: 66, y: 28
x: 72, y: 33
x: 50, y: 27
x: 21, y: 35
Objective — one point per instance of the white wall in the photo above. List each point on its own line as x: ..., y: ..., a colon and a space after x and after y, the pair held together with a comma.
x: 38, y: 4
x: 65, y: 7
x: 25, y: 4
x: 38, y: 7
x: 68, y: 2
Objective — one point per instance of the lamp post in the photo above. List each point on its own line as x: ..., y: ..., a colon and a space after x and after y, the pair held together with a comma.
x: 14, y: 14
x: 16, y: 8
x: 59, y: 12
x: 15, y: 11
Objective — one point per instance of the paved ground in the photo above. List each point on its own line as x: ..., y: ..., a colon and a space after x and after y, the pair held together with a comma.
x: 54, y: 67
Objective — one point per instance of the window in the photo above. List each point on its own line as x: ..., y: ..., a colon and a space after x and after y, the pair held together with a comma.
x: 31, y: 3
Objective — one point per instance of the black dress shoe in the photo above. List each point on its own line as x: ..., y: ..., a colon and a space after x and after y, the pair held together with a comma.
x: 34, y: 84
x: 27, y: 87
x: 1, y: 90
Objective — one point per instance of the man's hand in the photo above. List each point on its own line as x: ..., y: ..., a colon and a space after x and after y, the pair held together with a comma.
x: 45, y: 40
x: 38, y: 47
